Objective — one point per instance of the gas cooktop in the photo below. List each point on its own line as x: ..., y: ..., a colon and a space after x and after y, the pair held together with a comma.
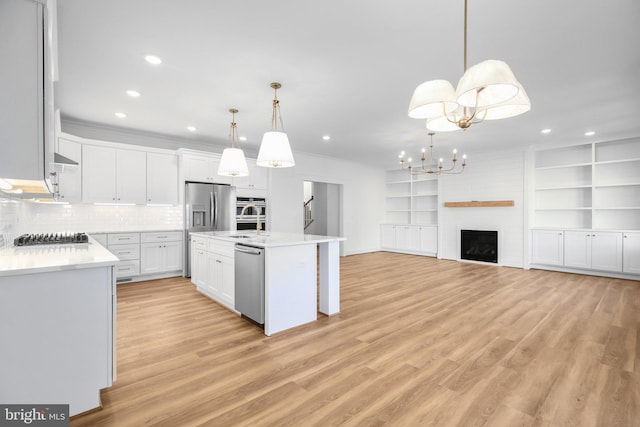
x: 50, y: 239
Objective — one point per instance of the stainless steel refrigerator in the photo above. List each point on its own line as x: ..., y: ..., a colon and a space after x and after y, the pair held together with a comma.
x: 207, y: 207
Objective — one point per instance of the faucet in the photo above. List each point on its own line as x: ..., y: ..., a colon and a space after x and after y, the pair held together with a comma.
x: 251, y: 205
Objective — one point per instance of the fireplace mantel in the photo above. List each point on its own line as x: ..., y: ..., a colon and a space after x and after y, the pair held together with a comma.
x: 478, y: 204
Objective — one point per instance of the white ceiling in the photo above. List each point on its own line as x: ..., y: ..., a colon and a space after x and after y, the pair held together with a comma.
x: 348, y: 69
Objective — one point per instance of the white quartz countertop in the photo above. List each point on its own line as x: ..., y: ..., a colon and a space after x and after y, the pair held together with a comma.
x: 268, y: 239
x: 45, y: 258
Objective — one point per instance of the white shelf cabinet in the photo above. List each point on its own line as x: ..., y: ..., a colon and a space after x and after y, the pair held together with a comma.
x: 415, y: 239
x: 589, y: 186
x: 411, y: 199
x: 162, y: 179
x: 112, y: 175
x: 594, y: 250
x: 631, y: 253
x: 547, y: 247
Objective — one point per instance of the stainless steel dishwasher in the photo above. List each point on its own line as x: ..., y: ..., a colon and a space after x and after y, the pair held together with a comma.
x: 249, y: 271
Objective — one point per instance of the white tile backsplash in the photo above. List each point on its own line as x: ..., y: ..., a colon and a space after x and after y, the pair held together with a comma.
x: 28, y: 217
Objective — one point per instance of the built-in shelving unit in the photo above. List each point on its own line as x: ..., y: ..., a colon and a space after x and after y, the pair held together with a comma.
x: 411, y: 199
x: 588, y: 186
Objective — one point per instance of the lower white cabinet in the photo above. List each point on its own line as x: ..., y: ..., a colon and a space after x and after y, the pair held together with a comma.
x: 418, y: 239
x: 213, y: 269
x: 547, y: 247
x: 160, y: 252
x: 595, y: 250
x: 631, y: 253
x: 198, y: 262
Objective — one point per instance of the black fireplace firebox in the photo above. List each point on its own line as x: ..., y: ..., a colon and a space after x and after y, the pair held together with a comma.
x: 479, y: 245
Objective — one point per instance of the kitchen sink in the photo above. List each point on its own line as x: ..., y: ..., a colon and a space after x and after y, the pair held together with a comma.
x: 239, y: 236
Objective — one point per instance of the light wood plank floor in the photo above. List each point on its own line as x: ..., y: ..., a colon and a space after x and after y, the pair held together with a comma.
x: 419, y: 342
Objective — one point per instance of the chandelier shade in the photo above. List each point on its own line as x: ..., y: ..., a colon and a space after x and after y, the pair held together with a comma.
x: 430, y: 98
x: 275, y: 151
x: 488, y: 83
x: 233, y: 163
x: 441, y: 124
x: 515, y: 106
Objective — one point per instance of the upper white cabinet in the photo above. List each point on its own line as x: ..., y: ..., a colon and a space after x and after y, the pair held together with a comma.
x: 590, y: 186
x: 593, y: 250
x: 257, y: 179
x: 547, y: 247
x: 70, y: 179
x: 162, y: 178
x: 26, y: 106
x: 202, y: 168
x: 631, y: 253
x: 113, y: 175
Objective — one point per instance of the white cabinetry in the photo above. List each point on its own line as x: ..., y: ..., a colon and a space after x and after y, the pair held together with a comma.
x: 126, y: 246
x: 257, y: 180
x: 203, y: 167
x: 162, y: 179
x: 411, y: 199
x: 417, y: 239
x: 112, y: 175
x: 160, y: 252
x: 593, y: 250
x: 213, y: 269
x: 631, y: 253
x: 70, y: 178
x: 547, y: 247
x: 199, y: 261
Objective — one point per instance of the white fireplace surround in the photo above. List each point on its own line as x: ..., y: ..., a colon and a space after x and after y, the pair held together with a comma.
x: 479, y: 228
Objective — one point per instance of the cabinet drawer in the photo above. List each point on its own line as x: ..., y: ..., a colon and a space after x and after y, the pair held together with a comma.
x: 165, y: 236
x: 127, y: 269
x: 123, y: 238
x: 199, y: 243
x: 125, y: 251
x: 220, y: 247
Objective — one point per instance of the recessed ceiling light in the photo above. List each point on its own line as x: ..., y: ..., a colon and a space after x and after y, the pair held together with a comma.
x: 152, y: 59
x: 326, y: 137
x: 191, y: 128
x: 242, y: 138
x: 133, y: 93
x: 589, y: 133
x: 121, y: 115
x: 545, y: 131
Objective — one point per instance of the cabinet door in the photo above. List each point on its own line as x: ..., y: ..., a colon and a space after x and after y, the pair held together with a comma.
x: 577, y: 249
x: 547, y: 247
x: 227, y: 280
x: 98, y: 174
x: 388, y: 236
x: 606, y: 251
x: 152, y: 258
x: 414, y: 237
x: 214, y: 274
x: 70, y: 179
x: 162, y: 179
x: 198, y: 266
x: 131, y: 176
x: 429, y: 239
x: 172, y: 256
x: 631, y: 253
x: 197, y: 168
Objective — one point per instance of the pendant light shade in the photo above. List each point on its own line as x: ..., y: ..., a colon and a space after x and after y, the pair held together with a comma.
x: 515, y: 106
x: 488, y: 83
x: 233, y: 162
x: 275, y: 150
x: 441, y: 124
x: 430, y: 98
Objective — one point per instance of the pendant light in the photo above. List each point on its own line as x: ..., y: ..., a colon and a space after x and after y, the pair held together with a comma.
x: 233, y: 162
x: 275, y: 151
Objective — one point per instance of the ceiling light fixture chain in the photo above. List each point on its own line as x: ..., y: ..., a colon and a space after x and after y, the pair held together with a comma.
x: 275, y: 150
x: 431, y: 167
x: 276, y: 114
x: 233, y: 162
x: 233, y: 131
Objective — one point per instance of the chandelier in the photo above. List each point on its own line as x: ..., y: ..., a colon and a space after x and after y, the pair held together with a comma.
x: 487, y: 91
x: 431, y: 168
x: 275, y: 150
x: 233, y: 162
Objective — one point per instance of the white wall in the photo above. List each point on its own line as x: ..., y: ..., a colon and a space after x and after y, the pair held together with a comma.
x: 362, y: 198
x: 494, y: 176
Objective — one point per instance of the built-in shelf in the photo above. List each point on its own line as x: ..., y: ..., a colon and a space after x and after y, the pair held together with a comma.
x: 478, y: 204
x: 411, y: 199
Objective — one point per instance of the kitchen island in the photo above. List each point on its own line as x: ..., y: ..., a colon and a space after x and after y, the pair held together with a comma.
x: 291, y: 270
x: 57, y: 307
